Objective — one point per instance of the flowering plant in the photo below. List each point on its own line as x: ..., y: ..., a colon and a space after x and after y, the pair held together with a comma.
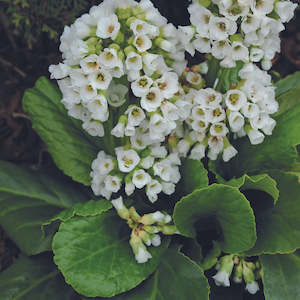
x: 191, y: 172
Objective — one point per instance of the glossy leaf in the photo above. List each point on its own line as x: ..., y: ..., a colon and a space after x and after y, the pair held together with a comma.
x: 90, y: 208
x: 72, y: 149
x: 278, y: 228
x: 281, y: 276
x: 224, y: 204
x: 27, y: 200
x: 177, y: 278
x: 94, y: 255
x: 288, y: 83
x: 33, y: 278
x: 262, y: 182
x: 288, y: 100
x: 194, y: 175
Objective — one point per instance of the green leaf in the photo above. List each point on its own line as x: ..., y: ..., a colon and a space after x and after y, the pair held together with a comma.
x: 194, y: 175
x: 262, y: 182
x: 288, y: 83
x: 212, y: 257
x: 94, y: 256
x: 27, y: 200
x: 224, y: 204
x: 229, y: 77
x: 90, y: 208
x: 278, y: 151
x: 278, y: 228
x: 177, y: 278
x: 288, y: 100
x: 71, y: 148
x: 281, y: 276
x: 33, y: 278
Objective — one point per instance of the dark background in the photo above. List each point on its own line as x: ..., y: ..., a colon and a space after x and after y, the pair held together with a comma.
x: 29, y: 41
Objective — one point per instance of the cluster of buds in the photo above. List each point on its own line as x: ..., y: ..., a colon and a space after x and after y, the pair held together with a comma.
x: 241, y: 269
x: 145, y: 229
x: 233, y: 30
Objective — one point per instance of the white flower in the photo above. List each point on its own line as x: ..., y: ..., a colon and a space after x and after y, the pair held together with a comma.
x: 250, y: 110
x: 78, y: 79
x: 98, y: 108
x: 256, y: 54
x: 108, y: 27
x: 59, y: 71
x: 220, y: 28
x: 133, y: 61
x: 82, y: 30
x: 118, y: 70
x: 153, y: 189
x: 147, y: 162
x: 216, y: 144
x: 78, y: 49
x: 156, y: 240
x: 199, y: 113
x: 109, y: 58
x: 255, y: 137
x: 194, y: 78
x: 104, y: 166
x: 142, y: 256
x: 236, y: 121
x: 87, y: 93
x: 142, y: 42
x: 112, y: 183
x: 222, y: 278
x: 141, y: 27
x: 129, y: 188
x: 141, y: 86
x: 218, y: 129
x: 90, y: 64
x: 135, y: 115
x: 202, y: 44
x: 140, y: 178
x: 200, y: 17
x: 119, y: 130
x: 235, y: 100
x: 269, y: 126
x: 221, y: 49
x: 252, y: 287
x: 168, y: 84
x: 239, y: 51
x: 266, y: 64
x: 100, y: 80
x: 250, y: 24
x: 259, y: 121
x: 94, y: 128
x: 127, y: 160
x: 216, y: 115
x: 168, y: 188
x: 229, y: 153
x: 163, y: 169
x: 185, y: 35
x: 200, y: 125
x: 198, y: 152
x: 152, y: 100
x: 262, y: 7
x: 285, y: 10
x: 158, y: 151
x: 118, y: 203
x: 208, y: 98
x: 151, y: 62
x: 116, y: 94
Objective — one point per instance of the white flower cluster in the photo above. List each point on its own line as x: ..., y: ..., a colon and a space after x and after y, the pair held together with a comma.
x: 214, y: 117
x: 242, y: 270
x: 153, y: 169
x: 232, y: 30
x: 120, y: 44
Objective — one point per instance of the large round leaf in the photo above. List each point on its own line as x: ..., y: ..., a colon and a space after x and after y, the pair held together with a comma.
x: 278, y: 228
x: 227, y: 206
x: 94, y: 256
x: 177, y: 278
x: 281, y: 276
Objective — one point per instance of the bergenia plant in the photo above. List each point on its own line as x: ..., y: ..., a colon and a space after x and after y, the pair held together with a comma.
x: 185, y: 177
